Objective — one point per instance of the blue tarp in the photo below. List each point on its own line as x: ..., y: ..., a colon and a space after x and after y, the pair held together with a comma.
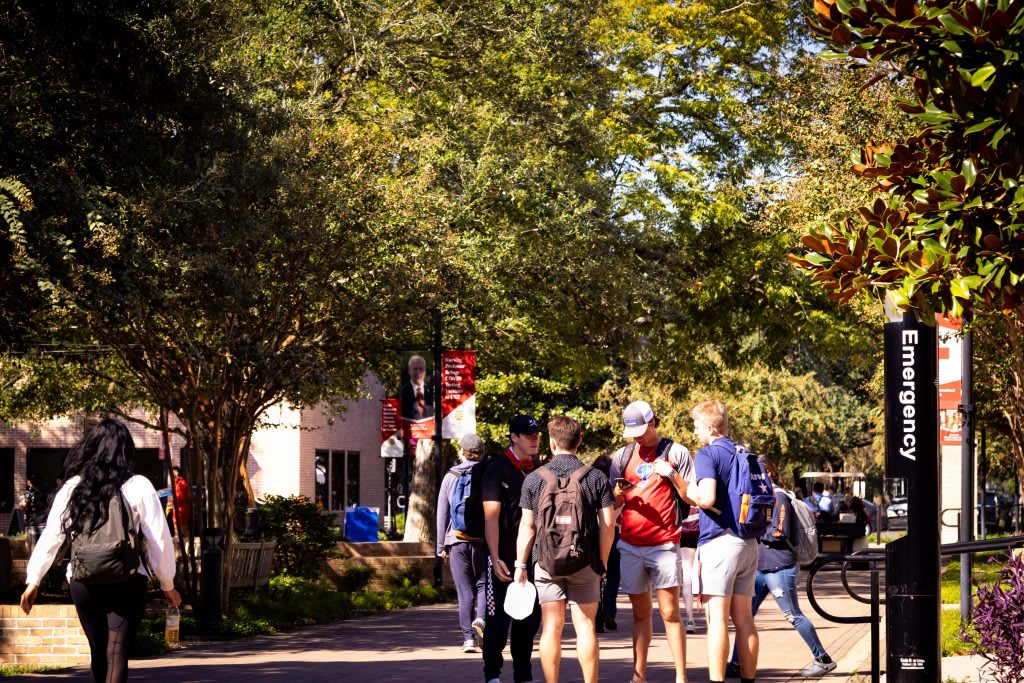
x: 361, y: 524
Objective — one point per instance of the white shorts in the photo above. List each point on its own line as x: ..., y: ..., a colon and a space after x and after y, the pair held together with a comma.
x: 728, y: 566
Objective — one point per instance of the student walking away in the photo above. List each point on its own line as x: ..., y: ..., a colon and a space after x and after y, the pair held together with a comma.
x: 502, y: 492
x: 651, y: 477
x: 607, y: 608
x: 103, y: 505
x: 778, y: 571
x: 570, y: 512
x: 460, y: 537
x: 735, y: 498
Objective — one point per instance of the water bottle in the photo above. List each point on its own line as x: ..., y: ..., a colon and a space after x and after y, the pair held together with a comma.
x: 171, y: 626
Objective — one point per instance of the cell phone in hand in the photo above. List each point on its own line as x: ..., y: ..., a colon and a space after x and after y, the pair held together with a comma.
x: 624, y: 483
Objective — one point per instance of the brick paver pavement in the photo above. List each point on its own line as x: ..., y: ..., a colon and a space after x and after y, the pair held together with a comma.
x: 423, y: 645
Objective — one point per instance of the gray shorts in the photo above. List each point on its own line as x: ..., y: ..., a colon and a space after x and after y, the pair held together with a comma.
x: 728, y: 566
x: 581, y: 588
x: 646, y: 567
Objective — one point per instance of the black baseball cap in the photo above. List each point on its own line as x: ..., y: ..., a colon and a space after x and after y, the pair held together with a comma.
x: 523, y: 424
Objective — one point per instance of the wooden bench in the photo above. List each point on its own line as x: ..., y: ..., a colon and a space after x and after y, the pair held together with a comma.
x: 251, y: 563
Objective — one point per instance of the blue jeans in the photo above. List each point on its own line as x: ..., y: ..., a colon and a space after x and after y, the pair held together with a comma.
x: 782, y: 585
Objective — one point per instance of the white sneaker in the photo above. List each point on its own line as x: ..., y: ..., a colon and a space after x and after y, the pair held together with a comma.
x: 494, y: 680
x: 817, y: 669
x: 690, y: 626
x: 478, y: 631
x: 469, y: 646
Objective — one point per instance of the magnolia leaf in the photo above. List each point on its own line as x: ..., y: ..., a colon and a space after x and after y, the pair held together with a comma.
x: 983, y: 77
x: 969, y: 172
x: 982, y: 126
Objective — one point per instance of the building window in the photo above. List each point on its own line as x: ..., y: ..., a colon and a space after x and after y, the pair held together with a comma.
x: 44, y: 467
x: 149, y: 465
x: 337, y: 479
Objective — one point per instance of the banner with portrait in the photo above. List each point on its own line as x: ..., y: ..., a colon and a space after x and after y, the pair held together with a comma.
x: 417, y: 397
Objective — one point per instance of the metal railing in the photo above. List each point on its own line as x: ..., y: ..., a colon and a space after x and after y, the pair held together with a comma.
x: 875, y: 558
x: 1002, y: 517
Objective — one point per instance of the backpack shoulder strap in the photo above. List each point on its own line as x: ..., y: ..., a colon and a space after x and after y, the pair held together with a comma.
x: 622, y: 461
x: 547, y: 475
x: 665, y: 450
x: 580, y: 472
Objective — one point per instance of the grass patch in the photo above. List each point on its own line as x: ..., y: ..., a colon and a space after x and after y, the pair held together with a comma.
x: 887, y: 536
x: 952, y: 642
x: 985, y: 569
x: 7, y: 670
x: 289, y: 602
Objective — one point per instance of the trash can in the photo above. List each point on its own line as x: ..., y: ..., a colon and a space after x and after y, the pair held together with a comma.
x: 361, y: 524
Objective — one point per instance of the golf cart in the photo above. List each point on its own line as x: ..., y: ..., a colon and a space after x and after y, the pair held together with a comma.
x: 843, y: 533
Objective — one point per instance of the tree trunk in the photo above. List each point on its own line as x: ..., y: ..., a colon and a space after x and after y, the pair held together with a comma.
x: 420, y: 516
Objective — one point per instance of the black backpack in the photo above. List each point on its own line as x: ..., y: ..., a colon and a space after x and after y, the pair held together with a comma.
x: 110, y: 552
x: 566, y: 524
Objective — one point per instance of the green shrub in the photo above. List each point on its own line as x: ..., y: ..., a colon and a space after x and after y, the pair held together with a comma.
x: 149, y: 641
x: 306, y: 535
x: 354, y: 578
x: 410, y: 575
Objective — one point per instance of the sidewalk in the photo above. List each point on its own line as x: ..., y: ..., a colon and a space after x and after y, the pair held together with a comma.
x: 423, y: 645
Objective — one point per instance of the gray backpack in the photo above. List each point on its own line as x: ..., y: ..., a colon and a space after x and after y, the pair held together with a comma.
x: 109, y: 553
x: 805, y: 534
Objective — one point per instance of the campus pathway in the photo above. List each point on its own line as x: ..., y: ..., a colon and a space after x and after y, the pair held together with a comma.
x: 422, y: 645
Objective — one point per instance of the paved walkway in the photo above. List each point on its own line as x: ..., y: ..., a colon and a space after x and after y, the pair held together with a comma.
x: 423, y: 645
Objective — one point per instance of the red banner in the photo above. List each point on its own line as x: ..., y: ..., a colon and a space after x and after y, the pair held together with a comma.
x: 950, y: 371
x: 458, y: 393
x: 390, y: 429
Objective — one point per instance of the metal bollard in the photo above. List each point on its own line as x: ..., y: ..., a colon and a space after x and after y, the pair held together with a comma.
x: 213, y: 573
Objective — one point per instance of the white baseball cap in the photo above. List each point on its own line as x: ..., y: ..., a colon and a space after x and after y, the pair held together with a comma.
x: 520, y: 599
x: 636, y: 417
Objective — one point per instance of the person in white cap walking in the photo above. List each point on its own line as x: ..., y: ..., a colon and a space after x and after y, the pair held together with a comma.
x: 650, y: 478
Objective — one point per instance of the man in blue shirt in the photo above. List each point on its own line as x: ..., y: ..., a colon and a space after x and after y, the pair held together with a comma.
x: 727, y: 564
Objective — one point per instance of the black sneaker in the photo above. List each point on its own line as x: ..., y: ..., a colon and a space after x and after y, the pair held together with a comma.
x: 609, y: 623
x: 732, y: 670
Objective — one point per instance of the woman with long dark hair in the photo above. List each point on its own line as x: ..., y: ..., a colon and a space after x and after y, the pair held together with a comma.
x: 97, y: 470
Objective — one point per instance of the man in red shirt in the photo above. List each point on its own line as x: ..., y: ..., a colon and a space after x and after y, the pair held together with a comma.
x: 650, y: 478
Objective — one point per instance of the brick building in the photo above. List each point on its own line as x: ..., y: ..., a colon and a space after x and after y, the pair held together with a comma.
x: 333, y: 459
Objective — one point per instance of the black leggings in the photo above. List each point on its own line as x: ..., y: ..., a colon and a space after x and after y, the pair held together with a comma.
x: 110, y: 616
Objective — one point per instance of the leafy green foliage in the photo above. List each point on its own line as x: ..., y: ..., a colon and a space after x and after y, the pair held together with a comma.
x: 795, y: 419
x: 305, y: 534
x: 948, y: 237
x: 354, y: 579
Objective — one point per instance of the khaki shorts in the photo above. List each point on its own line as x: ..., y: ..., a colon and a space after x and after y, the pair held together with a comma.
x: 646, y: 567
x: 728, y: 566
x: 581, y: 588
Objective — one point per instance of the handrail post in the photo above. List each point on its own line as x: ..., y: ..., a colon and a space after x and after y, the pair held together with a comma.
x: 875, y: 628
